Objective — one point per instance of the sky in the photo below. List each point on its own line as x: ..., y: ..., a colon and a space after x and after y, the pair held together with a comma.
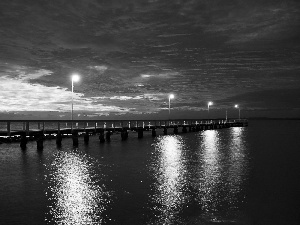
x: 132, y: 54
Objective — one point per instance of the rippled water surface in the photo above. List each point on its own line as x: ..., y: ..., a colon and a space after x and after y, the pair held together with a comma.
x: 245, y: 175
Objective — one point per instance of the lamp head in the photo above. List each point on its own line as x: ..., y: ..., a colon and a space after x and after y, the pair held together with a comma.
x: 75, y: 77
x: 171, y: 96
x: 210, y: 103
x: 236, y: 106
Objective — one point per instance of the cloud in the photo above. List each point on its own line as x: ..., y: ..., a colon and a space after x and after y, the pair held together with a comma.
x: 133, y: 53
x: 18, y: 95
x: 100, y: 68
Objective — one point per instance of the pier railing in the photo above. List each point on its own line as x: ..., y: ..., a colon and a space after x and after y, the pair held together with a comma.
x: 24, y: 130
x: 16, y: 127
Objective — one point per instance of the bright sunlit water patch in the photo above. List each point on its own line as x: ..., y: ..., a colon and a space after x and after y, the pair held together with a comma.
x: 75, y: 193
x: 169, y: 171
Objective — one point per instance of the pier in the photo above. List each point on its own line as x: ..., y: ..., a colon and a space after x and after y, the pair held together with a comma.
x: 38, y: 130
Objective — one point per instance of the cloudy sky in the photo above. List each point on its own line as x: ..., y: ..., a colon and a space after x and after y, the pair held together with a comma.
x: 131, y: 54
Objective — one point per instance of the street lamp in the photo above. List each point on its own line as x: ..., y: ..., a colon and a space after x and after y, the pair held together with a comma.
x: 171, y: 96
x: 209, y: 104
x: 75, y: 78
x: 237, y: 106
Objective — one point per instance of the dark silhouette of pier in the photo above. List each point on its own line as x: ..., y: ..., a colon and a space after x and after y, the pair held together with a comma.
x: 38, y: 130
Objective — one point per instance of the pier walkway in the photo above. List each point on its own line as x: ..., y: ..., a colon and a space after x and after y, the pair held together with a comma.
x: 24, y: 130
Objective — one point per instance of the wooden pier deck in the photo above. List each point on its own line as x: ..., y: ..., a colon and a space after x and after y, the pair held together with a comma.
x: 13, y: 130
x: 67, y: 127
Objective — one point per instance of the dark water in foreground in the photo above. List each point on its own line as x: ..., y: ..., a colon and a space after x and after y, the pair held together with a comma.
x: 244, y: 175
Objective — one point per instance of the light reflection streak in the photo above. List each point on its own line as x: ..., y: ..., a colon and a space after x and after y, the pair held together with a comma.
x: 221, y: 173
x: 74, y: 196
x: 170, y: 175
x: 211, y: 170
x: 238, y: 163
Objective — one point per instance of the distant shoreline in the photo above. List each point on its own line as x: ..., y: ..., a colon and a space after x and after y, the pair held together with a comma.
x: 269, y: 118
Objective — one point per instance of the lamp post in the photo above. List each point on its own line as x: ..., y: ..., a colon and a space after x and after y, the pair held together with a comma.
x: 209, y: 104
x: 171, y: 96
x: 237, y: 106
x: 75, y: 78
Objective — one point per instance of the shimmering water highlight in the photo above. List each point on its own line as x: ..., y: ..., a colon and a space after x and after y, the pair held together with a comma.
x: 247, y: 175
x: 74, y: 196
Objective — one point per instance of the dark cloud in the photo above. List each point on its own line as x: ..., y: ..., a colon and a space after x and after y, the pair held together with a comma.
x: 274, y: 99
x: 198, y: 49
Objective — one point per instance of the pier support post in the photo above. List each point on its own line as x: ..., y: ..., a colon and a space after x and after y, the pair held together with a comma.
x: 75, y: 138
x: 58, y: 139
x: 43, y: 127
x: 140, y: 132
x: 124, y: 134
x: 165, y: 131
x: 8, y: 129
x: 184, y: 130
x: 27, y: 128
x: 175, y: 130
x: 153, y: 133
x: 86, y: 137
x: 40, y: 141
x: 101, y: 136
x: 23, y: 141
x: 108, y: 135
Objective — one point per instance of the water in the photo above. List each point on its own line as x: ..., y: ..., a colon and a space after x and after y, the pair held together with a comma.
x: 245, y: 175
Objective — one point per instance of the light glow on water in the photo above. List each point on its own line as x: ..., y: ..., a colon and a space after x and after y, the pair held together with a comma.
x: 221, y: 173
x: 206, y: 177
x: 74, y: 196
x: 238, y: 163
x: 211, y: 170
x: 170, y: 174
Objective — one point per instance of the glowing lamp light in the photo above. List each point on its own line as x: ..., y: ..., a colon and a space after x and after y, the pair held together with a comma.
x: 75, y: 78
x: 171, y: 96
x: 209, y: 104
x: 237, y: 106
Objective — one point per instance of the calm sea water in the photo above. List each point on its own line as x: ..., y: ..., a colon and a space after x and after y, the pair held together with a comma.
x: 247, y: 175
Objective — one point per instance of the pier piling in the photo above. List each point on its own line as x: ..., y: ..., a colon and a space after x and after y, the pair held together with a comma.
x: 40, y: 142
x: 75, y: 138
x: 153, y: 132
x: 101, y: 136
x: 23, y: 141
x: 175, y: 130
x: 108, y: 135
x: 58, y: 139
x: 86, y: 137
x: 124, y: 134
x: 140, y: 132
